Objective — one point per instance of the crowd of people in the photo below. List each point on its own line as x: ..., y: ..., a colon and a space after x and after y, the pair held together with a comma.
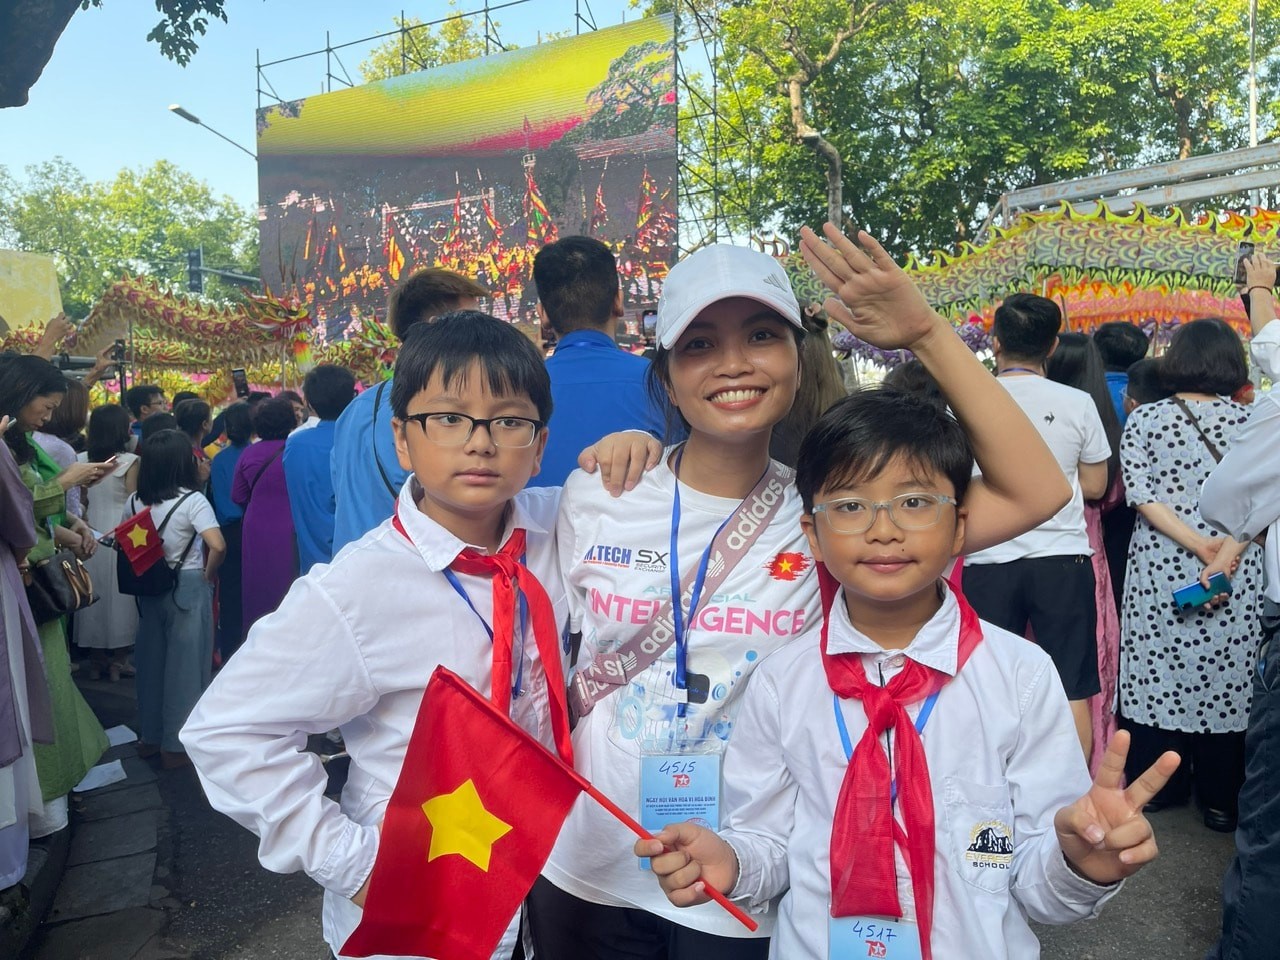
x: 736, y: 559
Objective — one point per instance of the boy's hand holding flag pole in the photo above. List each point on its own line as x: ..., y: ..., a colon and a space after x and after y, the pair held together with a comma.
x: 469, y: 826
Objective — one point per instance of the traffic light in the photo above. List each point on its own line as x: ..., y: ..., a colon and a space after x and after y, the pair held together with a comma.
x: 195, y: 270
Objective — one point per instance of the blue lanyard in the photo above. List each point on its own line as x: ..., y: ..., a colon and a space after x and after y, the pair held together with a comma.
x: 524, y: 613
x: 921, y: 719
x: 680, y: 627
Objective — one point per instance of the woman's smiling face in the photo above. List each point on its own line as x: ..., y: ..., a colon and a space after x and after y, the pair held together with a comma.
x: 735, y: 369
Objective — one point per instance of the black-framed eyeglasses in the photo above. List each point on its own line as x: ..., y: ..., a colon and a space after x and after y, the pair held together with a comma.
x: 910, y: 511
x: 453, y: 429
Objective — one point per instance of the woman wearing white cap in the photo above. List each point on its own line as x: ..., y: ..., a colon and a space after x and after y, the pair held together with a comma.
x: 717, y: 526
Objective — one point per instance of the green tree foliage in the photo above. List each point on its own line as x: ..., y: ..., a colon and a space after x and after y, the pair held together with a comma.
x: 142, y: 222
x: 420, y: 47
x: 182, y: 21
x: 936, y: 108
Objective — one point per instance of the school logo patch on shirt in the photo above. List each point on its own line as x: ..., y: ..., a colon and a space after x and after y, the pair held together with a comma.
x: 788, y: 566
x: 990, y: 845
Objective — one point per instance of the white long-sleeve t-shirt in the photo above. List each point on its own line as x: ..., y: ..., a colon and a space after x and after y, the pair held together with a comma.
x: 1003, y: 759
x: 353, y: 645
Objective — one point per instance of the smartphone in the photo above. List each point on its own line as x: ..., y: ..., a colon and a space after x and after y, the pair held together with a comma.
x: 649, y: 323
x: 117, y: 351
x: 1243, y: 253
x: 1197, y: 595
x: 241, y: 382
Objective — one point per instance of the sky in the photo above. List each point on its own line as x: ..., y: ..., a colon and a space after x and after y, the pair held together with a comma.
x: 102, y: 102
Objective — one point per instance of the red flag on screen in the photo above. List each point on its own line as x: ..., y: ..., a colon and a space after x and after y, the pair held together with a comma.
x: 469, y: 826
x: 141, y: 544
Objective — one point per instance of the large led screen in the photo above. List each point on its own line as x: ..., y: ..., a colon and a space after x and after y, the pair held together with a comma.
x: 473, y: 167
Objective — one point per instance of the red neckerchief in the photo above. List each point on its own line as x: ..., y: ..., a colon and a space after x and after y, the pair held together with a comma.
x: 863, y: 878
x: 507, y: 572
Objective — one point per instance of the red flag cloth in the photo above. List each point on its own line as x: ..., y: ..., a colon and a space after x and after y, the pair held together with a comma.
x: 863, y: 878
x: 470, y: 825
x: 141, y: 544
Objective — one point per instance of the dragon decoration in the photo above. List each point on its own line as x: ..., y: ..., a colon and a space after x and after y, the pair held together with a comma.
x: 176, y: 336
x: 1144, y: 268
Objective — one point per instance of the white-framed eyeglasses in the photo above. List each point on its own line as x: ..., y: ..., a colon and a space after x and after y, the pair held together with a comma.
x: 910, y: 511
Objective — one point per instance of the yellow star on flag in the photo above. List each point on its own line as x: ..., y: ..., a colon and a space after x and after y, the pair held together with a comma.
x: 785, y: 566
x: 460, y: 824
x: 138, y: 535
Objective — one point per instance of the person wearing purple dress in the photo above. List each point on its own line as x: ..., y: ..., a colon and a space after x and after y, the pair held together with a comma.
x: 269, y: 561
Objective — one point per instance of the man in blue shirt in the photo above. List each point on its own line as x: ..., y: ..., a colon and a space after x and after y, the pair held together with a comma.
x: 329, y: 389
x: 597, y: 388
x: 1121, y: 345
x: 367, y: 476
x: 143, y: 400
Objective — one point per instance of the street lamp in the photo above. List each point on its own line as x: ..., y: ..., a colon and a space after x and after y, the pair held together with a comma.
x: 192, y: 118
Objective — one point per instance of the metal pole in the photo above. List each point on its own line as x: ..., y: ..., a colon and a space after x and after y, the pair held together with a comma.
x: 1254, y: 197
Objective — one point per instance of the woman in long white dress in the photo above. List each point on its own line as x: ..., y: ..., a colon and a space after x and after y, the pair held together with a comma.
x: 107, y: 628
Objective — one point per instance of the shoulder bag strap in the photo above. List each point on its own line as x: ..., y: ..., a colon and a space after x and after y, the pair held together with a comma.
x: 253, y: 484
x: 612, y: 671
x: 1213, y: 450
x: 377, y: 405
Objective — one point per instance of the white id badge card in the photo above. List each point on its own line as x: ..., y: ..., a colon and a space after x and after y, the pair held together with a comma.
x: 683, y: 785
x: 866, y: 937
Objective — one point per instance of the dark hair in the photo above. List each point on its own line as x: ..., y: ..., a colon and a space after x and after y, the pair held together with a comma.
x: 428, y: 294
x: 155, y: 423
x: 1078, y: 363
x: 108, y: 432
x: 72, y: 414
x: 819, y: 387
x: 274, y: 419
x: 257, y: 396
x: 509, y: 361
x: 1121, y: 344
x: 139, y: 396
x: 1204, y: 356
x: 22, y: 379
x: 577, y: 282
x: 192, y: 415
x: 658, y: 380
x: 328, y: 389
x: 1026, y: 325
x: 1146, y: 385
x: 168, y: 465
x: 912, y: 378
x: 237, y: 421
x: 858, y: 437
x: 293, y: 396
x: 182, y: 395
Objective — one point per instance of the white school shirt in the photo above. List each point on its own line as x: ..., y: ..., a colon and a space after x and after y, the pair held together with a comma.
x: 1003, y: 759
x: 353, y: 645
x: 614, y: 553
x: 1069, y: 423
x: 193, y: 517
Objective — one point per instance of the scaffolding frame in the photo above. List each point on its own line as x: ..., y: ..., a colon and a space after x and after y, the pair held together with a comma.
x: 719, y: 121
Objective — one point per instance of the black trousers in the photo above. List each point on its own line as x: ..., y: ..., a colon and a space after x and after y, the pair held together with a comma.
x: 1212, y: 764
x: 1250, y: 920
x: 567, y: 928
x: 230, y: 591
x: 1117, y: 531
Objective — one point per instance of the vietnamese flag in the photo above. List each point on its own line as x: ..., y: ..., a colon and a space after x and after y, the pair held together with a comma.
x: 469, y: 826
x: 788, y: 566
x: 141, y: 544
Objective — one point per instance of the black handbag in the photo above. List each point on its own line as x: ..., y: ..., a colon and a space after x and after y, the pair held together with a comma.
x: 58, y: 586
x: 159, y: 578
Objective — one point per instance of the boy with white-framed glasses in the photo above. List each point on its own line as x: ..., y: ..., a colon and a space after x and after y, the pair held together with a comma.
x: 909, y: 783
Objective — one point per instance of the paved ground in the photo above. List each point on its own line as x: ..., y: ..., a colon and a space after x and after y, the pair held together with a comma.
x: 154, y: 874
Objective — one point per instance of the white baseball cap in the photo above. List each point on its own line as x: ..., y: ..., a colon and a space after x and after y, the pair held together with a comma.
x: 716, y: 273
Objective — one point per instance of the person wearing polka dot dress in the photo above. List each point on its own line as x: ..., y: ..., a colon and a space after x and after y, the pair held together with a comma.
x: 1186, y: 675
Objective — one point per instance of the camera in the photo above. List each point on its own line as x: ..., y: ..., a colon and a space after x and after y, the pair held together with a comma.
x: 117, y: 352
